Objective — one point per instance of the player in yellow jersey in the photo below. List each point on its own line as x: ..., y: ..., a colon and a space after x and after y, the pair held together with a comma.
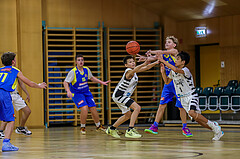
x: 76, y: 85
x: 8, y: 81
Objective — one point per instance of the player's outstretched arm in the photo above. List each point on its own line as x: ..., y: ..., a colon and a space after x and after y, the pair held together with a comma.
x: 130, y: 73
x: 31, y: 83
x: 175, y: 69
x: 94, y: 79
x: 23, y: 87
x: 164, y: 76
x: 149, y: 66
x: 173, y: 52
x: 66, y: 86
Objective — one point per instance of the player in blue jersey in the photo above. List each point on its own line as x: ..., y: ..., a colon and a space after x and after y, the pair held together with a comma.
x: 168, y: 91
x: 76, y: 85
x: 8, y: 80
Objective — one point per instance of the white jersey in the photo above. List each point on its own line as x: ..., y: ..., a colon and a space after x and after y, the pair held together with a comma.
x: 183, y: 83
x: 126, y: 86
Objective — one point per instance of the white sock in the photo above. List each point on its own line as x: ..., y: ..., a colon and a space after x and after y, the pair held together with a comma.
x: 210, y: 124
x: 97, y: 124
x: 83, y: 125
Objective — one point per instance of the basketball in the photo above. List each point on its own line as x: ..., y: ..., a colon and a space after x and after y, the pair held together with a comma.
x: 132, y: 47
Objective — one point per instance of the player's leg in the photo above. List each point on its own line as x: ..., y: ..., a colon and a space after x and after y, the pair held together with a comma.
x: 80, y: 102
x: 132, y: 132
x: 7, y: 115
x: 83, y: 119
x: 92, y: 107
x: 19, y: 104
x: 112, y: 130
x: 195, y: 113
x: 166, y: 97
x: 2, y: 127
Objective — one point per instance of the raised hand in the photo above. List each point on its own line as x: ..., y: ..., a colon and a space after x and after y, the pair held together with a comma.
x: 141, y: 58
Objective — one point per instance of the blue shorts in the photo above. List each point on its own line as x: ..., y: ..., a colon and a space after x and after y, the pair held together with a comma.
x: 6, y: 106
x: 83, y: 99
x: 168, y: 93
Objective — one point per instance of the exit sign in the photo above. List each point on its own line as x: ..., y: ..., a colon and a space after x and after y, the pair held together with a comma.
x: 201, y: 32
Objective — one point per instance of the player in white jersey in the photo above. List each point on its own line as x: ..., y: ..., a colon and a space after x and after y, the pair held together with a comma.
x: 19, y: 104
x: 185, y: 90
x: 122, y: 93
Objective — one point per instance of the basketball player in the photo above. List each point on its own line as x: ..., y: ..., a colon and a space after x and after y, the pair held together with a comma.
x: 19, y: 104
x: 122, y: 93
x: 8, y: 80
x: 76, y: 85
x: 168, y: 91
x: 185, y: 90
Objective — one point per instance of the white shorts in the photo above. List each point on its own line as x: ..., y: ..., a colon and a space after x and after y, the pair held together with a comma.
x: 17, y: 101
x: 190, y: 103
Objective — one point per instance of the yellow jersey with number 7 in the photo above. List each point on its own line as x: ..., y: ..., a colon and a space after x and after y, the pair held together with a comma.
x: 8, y: 78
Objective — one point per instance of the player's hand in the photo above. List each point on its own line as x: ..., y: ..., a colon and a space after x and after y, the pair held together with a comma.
x: 28, y: 99
x: 141, y: 58
x: 106, y: 83
x: 69, y: 94
x: 42, y: 85
x: 162, y: 68
x: 147, y: 61
x: 148, y: 53
x: 160, y: 58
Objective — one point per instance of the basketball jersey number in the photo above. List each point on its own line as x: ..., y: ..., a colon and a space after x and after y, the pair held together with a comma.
x: 3, y: 76
x: 83, y: 79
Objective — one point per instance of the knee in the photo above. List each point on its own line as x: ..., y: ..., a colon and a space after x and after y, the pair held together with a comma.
x: 138, y: 108
x: 162, y: 107
x: 192, y: 113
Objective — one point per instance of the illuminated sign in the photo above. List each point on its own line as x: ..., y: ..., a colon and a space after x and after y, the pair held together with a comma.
x: 201, y: 32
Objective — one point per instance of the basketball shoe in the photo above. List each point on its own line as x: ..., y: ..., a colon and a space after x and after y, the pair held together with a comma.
x: 7, y: 146
x: 186, y: 132
x: 113, y: 133
x: 101, y: 128
x: 218, y: 133
x: 152, y: 130
x: 83, y: 130
x: 23, y: 130
x: 132, y: 133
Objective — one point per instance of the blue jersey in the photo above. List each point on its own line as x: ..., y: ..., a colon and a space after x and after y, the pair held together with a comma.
x: 8, y: 78
x: 170, y: 59
x: 80, y: 81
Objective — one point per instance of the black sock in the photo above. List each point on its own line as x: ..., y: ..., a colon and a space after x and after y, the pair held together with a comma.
x: 130, y: 128
x: 113, y: 128
x: 1, y: 130
x: 20, y: 128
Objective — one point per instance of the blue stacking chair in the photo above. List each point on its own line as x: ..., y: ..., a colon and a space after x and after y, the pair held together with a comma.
x: 235, y: 100
x: 224, y: 99
x: 213, y: 99
x: 203, y: 98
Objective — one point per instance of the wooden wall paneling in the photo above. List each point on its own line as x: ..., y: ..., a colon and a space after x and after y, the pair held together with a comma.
x: 58, y: 13
x: 117, y: 14
x: 170, y: 26
x: 85, y: 14
x: 213, y: 30
x: 142, y: 17
x: 230, y: 56
x: 30, y: 32
x: 8, y: 27
x: 236, y: 30
x: 226, y: 31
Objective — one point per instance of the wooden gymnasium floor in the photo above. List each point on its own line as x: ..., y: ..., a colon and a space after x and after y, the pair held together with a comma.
x: 66, y: 142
